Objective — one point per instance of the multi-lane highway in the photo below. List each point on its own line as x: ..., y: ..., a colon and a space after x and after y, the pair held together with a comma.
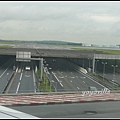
x: 24, y: 80
x: 6, y: 71
x: 19, y: 80
x: 63, y: 75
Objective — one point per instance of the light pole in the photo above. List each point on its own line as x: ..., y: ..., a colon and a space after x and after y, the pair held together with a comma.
x: 83, y: 62
x: 104, y: 68
x: 55, y: 86
x: 96, y: 66
x: 41, y: 67
x: 89, y: 69
x: 114, y: 66
x: 47, y: 72
x: 89, y: 62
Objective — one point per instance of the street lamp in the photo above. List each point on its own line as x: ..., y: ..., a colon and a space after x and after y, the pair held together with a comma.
x: 41, y: 67
x: 114, y: 66
x: 104, y: 68
x: 83, y: 63
x: 89, y: 69
x: 96, y: 66
x: 55, y: 86
x: 89, y: 62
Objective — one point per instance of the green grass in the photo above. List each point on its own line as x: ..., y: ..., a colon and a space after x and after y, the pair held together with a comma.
x: 117, y: 52
x: 9, y: 42
x: 104, y: 51
x: 45, y: 84
x: 5, y: 47
x: 46, y: 87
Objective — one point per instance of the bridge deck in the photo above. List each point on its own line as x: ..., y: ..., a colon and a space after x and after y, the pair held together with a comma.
x: 29, y: 99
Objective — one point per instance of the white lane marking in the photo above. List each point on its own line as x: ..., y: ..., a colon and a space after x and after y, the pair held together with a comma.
x: 78, y: 88
x: 61, y: 77
x: 57, y: 79
x: 92, y: 79
x: 61, y: 84
x: 21, y: 76
x: 19, y: 70
x: 82, y: 77
x: 72, y: 77
x: 84, y: 81
x: 18, y: 87
x: 3, y: 73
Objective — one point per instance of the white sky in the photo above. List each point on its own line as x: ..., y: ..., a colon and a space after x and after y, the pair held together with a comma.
x: 76, y: 21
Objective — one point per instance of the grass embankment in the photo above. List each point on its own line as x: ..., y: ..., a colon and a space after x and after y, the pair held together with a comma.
x: 45, y: 85
x: 5, y: 47
x: 104, y: 51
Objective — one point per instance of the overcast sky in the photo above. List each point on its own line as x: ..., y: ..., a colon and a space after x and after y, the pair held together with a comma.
x: 81, y: 22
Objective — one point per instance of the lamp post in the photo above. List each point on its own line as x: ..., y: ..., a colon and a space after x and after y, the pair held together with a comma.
x: 89, y: 62
x: 55, y: 86
x: 114, y: 66
x: 83, y: 62
x: 104, y: 68
x: 41, y: 67
x: 89, y: 69
x: 96, y: 66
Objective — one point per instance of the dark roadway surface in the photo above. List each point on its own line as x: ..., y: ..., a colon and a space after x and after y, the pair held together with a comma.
x: 49, y: 52
x: 74, y: 110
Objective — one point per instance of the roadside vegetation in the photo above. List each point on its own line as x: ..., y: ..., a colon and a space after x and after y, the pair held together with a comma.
x: 74, y: 46
x: 45, y: 85
x: 5, y: 47
x: 104, y: 51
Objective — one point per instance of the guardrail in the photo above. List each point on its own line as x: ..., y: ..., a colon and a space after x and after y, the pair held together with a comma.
x: 8, y: 82
x: 50, y: 93
x: 78, y: 68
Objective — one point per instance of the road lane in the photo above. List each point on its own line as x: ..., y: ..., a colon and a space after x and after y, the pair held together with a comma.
x: 75, y: 110
x: 5, y: 73
x: 24, y: 81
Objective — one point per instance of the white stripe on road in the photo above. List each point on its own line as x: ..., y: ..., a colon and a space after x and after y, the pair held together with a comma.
x: 3, y: 73
x: 21, y: 76
x: 57, y: 79
x: 18, y: 87
x: 84, y: 81
x: 92, y: 79
x: 78, y: 88
x: 61, y: 84
x: 19, y: 83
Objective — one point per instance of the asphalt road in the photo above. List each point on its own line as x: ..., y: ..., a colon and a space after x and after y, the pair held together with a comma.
x: 6, y: 71
x: 24, y: 80
x: 66, y: 77
x: 74, y: 110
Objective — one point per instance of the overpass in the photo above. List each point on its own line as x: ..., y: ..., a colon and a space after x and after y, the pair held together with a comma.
x: 64, y: 53
x: 48, y: 52
x: 57, y: 97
